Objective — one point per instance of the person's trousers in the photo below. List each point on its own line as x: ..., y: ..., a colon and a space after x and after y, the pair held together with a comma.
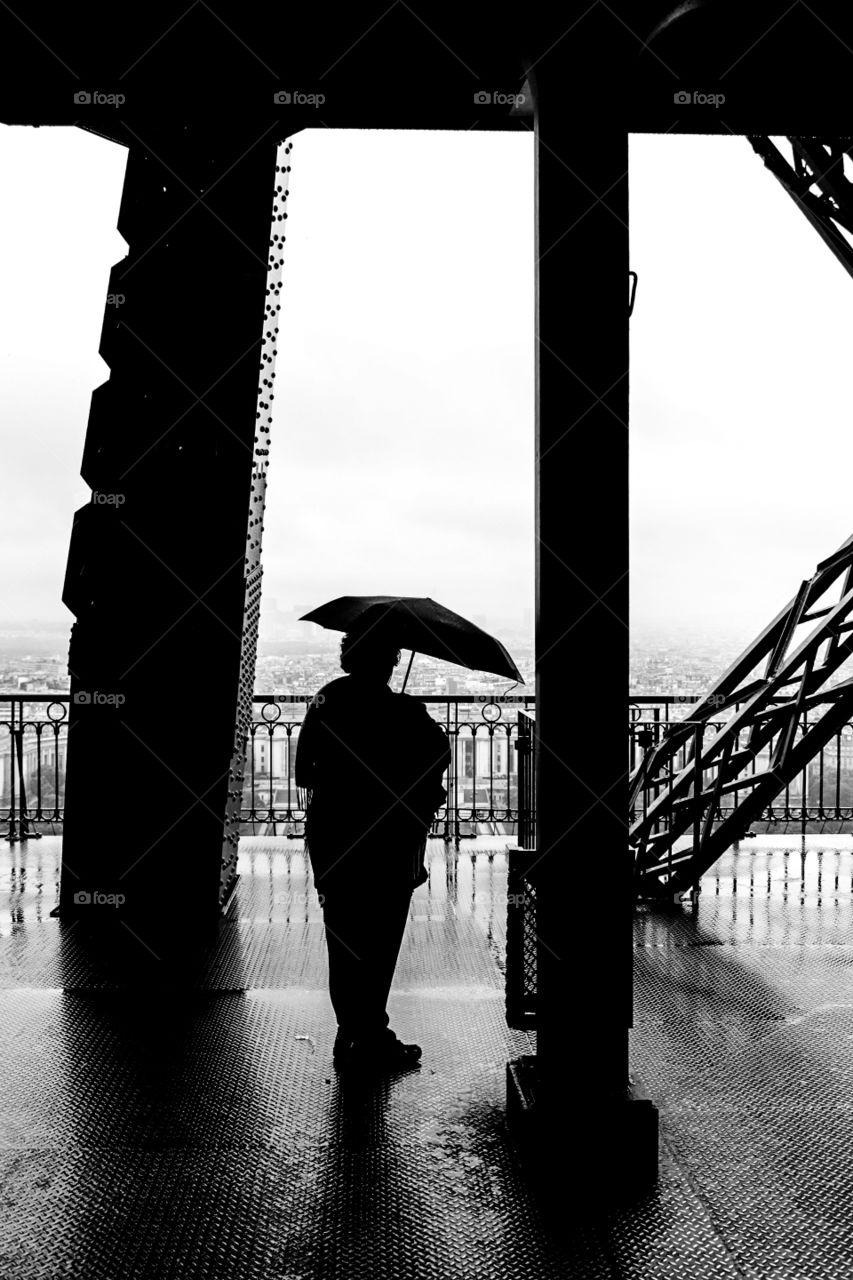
x: 364, y: 931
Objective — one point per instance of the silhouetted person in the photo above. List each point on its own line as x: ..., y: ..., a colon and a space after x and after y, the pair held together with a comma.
x: 372, y: 761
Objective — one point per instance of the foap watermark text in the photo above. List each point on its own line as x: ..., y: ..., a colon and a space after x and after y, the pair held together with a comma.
x: 696, y: 98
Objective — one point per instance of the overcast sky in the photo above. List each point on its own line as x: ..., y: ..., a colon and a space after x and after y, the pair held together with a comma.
x: 740, y: 410
x: 407, y: 361
x: 402, y: 449
x: 58, y: 239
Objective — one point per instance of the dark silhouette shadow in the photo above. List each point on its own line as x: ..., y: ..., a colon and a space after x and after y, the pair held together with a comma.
x: 372, y: 762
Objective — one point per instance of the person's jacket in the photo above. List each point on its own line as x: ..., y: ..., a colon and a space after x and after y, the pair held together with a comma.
x: 372, y: 762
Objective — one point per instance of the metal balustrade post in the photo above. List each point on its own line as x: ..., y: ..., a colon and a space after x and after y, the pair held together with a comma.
x: 12, y: 834
x: 454, y: 765
x: 698, y: 785
x: 25, y: 829
x: 805, y: 782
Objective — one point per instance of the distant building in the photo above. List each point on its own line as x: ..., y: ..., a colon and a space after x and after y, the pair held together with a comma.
x: 53, y: 757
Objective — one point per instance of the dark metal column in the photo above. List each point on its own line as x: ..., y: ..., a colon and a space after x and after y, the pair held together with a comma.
x: 583, y: 885
x: 163, y: 571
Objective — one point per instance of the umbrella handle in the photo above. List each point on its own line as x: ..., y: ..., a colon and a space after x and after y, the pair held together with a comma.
x: 408, y: 669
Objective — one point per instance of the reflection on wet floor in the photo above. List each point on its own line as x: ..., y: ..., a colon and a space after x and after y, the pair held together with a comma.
x: 276, y: 883
x: 813, y: 866
x: 744, y: 1037
x: 767, y: 892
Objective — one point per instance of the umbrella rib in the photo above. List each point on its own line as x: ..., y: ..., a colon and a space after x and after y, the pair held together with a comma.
x: 438, y: 638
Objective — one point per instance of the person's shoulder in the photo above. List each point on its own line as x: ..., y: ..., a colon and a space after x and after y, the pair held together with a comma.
x: 333, y: 687
x: 333, y: 691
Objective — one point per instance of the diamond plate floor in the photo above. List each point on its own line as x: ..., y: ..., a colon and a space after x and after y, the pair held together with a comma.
x: 744, y: 1038
x: 181, y: 1119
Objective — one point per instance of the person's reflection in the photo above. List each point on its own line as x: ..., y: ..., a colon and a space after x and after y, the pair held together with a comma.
x: 354, y: 1227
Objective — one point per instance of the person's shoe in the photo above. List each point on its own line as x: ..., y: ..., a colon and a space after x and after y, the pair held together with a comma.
x: 383, y: 1053
x: 341, y: 1050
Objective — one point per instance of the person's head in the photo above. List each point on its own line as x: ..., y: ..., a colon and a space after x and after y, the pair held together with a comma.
x: 372, y: 653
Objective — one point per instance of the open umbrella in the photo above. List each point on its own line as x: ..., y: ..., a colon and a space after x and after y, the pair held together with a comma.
x: 422, y: 625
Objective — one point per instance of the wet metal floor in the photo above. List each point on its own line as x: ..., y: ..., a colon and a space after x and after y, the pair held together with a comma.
x: 183, y: 1120
x: 744, y: 1038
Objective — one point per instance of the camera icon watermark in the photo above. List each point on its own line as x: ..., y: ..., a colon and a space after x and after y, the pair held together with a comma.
x: 96, y: 98
x: 484, y: 98
x: 98, y: 898
x: 686, y: 98
x: 94, y: 697
x: 286, y: 98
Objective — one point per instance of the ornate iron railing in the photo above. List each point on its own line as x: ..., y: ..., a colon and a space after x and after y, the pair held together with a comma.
x: 482, y: 781
x: 33, y: 743
x: 819, y: 799
x: 489, y: 785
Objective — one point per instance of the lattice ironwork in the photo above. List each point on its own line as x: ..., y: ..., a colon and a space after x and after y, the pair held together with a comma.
x: 253, y: 570
x: 521, y: 939
x: 778, y: 719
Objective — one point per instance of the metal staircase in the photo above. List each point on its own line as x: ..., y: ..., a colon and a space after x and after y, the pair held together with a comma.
x: 748, y: 738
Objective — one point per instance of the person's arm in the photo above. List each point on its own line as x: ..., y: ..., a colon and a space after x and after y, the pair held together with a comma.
x: 434, y: 756
x: 446, y: 754
x: 430, y: 793
x: 438, y: 745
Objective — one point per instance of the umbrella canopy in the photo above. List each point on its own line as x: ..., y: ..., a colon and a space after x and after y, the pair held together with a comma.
x: 422, y: 625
